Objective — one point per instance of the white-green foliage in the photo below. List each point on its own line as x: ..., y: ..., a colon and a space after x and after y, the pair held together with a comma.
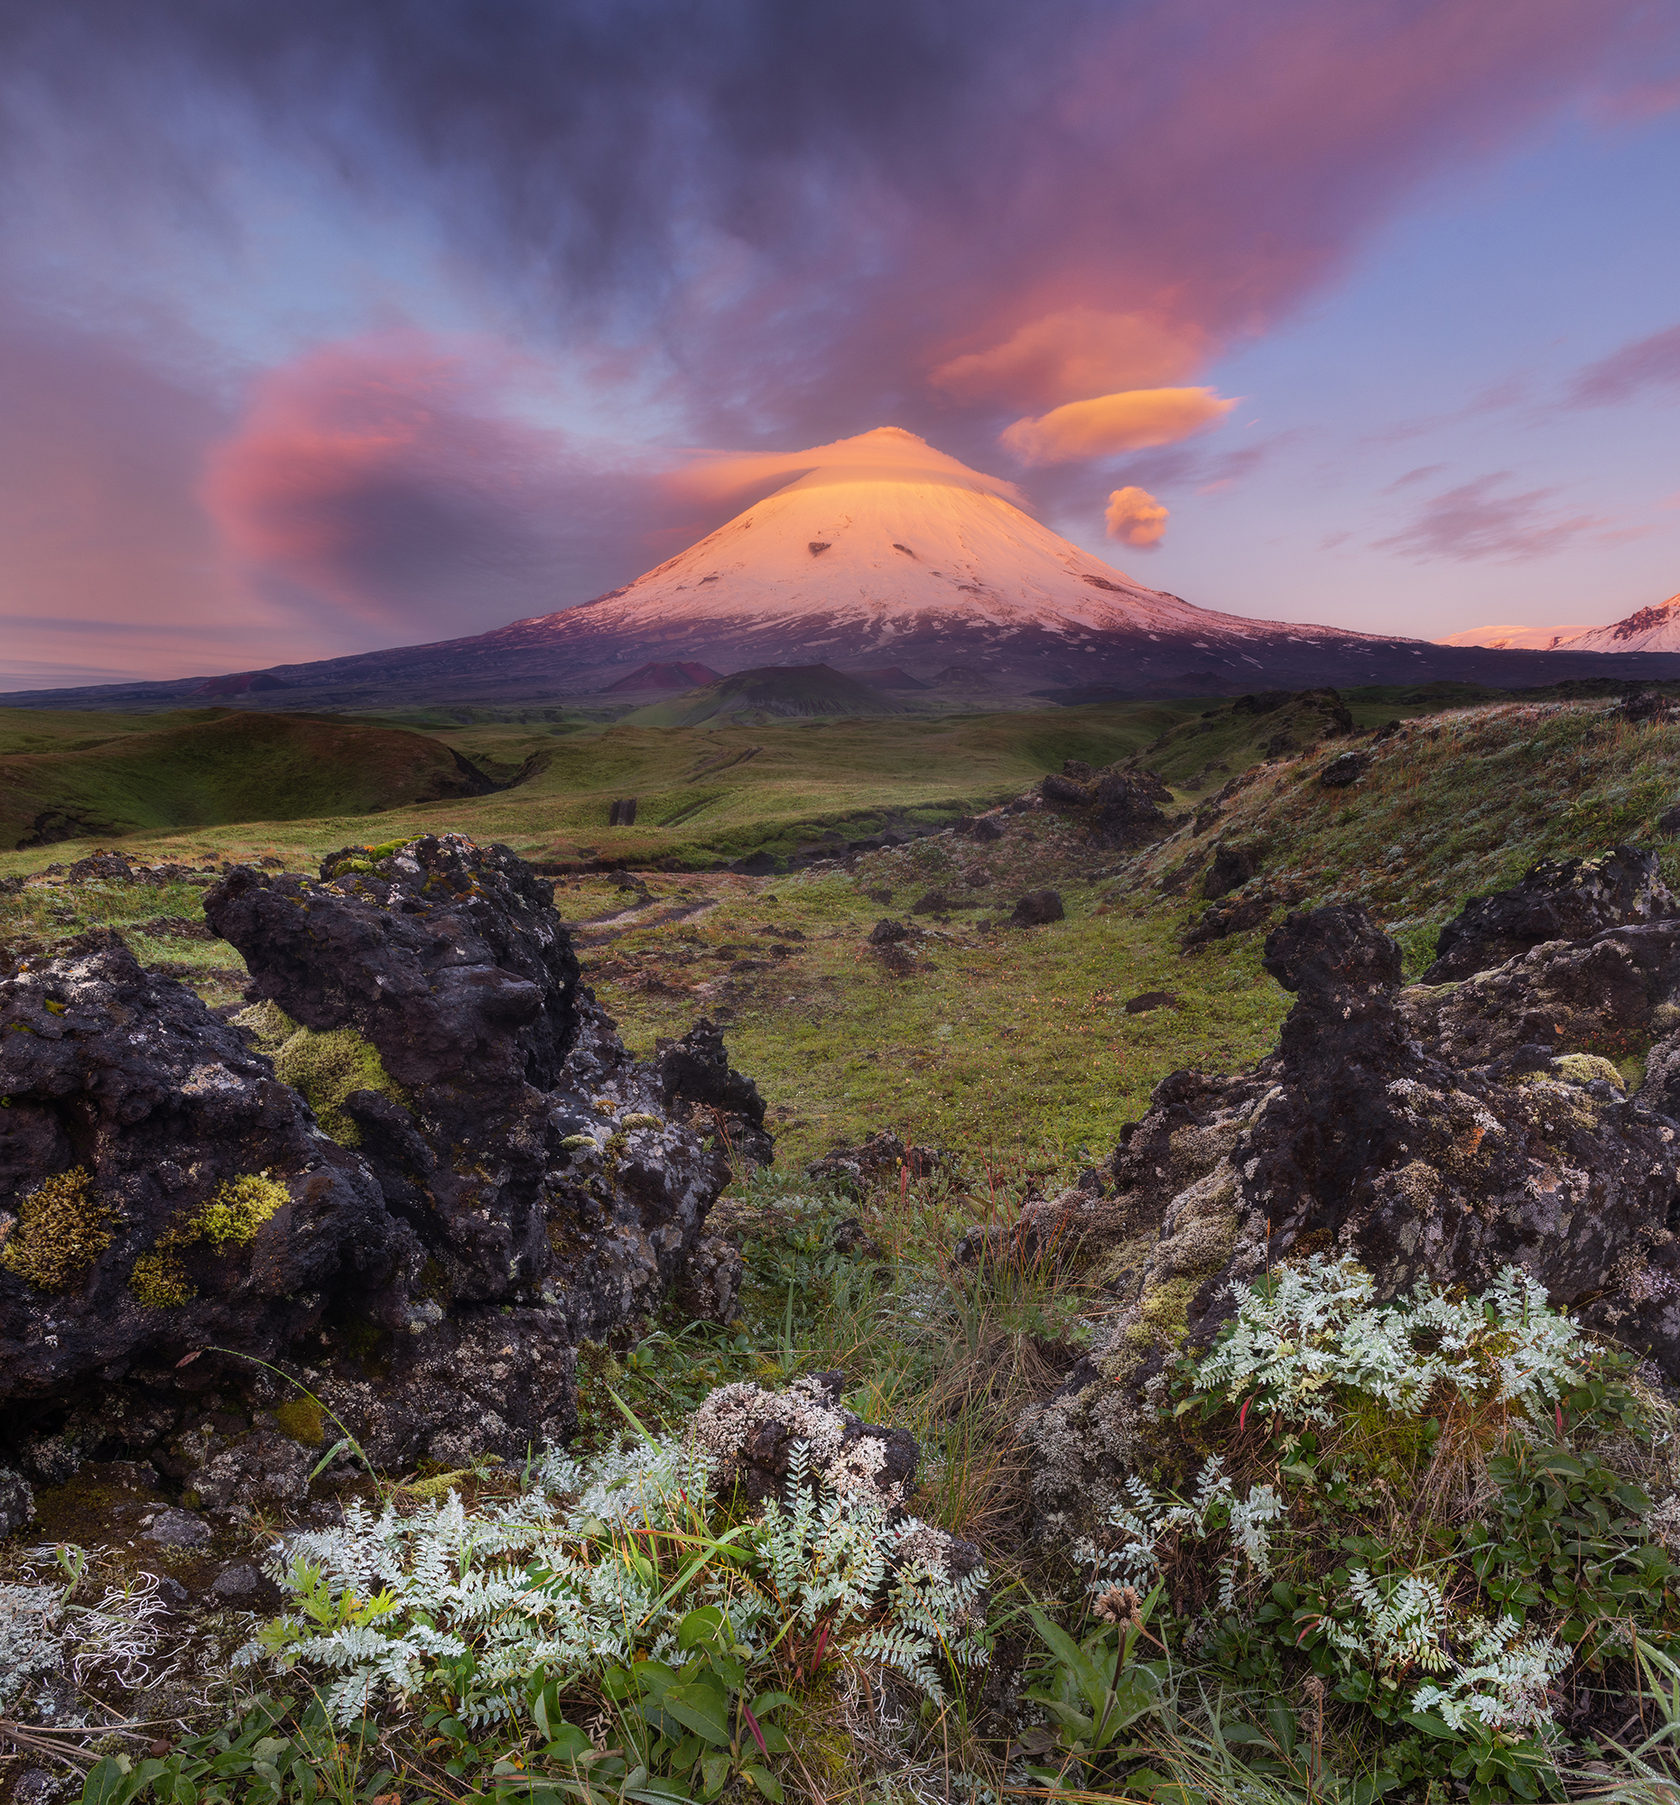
x: 1487, y: 1675
x: 472, y: 1603
x: 1145, y: 1519
x: 838, y: 1556
x: 1315, y: 1329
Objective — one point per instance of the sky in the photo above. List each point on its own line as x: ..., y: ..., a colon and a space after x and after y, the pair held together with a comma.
x: 343, y: 324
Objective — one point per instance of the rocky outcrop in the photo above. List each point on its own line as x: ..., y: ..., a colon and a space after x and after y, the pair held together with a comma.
x: 1117, y: 807
x: 160, y: 1190
x: 1037, y: 909
x: 1353, y: 1138
x: 534, y: 1159
x: 415, y: 1173
x: 1556, y: 899
x: 695, y: 1077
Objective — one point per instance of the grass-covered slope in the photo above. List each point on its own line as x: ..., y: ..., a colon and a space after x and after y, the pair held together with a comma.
x: 704, y: 795
x: 79, y: 778
x: 1448, y: 807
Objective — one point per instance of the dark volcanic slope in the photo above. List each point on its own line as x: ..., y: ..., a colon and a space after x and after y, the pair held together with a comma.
x: 561, y: 656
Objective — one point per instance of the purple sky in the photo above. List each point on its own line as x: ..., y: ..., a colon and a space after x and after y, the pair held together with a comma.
x: 338, y: 324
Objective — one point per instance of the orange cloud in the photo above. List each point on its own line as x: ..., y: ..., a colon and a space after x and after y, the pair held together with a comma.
x: 1078, y: 351
x: 1136, y: 518
x: 1108, y: 424
x: 888, y: 453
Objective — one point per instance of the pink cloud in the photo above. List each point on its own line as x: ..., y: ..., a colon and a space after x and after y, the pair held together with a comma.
x: 1646, y: 363
x: 1135, y: 518
x: 388, y: 477
x: 1109, y: 424
x: 1475, y: 521
x: 1078, y: 351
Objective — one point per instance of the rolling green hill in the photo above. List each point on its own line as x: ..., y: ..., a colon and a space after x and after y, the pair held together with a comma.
x: 705, y: 795
x: 74, y: 778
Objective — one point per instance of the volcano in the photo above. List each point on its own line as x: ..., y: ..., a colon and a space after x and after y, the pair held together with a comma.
x: 881, y: 552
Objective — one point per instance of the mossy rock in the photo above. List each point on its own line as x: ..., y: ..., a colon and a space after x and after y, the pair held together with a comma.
x: 302, y: 1420
x: 61, y: 1231
x: 326, y: 1068
x: 1587, y: 1068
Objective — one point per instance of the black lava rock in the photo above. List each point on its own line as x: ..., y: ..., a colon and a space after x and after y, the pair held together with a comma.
x: 1556, y: 899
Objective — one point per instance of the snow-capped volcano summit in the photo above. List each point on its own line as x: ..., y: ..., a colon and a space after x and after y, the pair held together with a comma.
x: 881, y: 551
x: 883, y: 547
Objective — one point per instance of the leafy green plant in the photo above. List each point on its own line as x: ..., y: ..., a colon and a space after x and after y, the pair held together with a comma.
x: 1094, y: 1690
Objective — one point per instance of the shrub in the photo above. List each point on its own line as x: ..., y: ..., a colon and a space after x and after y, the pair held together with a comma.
x: 1432, y: 1506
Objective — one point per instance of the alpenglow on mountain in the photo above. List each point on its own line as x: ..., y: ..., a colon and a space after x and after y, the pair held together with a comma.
x: 880, y: 551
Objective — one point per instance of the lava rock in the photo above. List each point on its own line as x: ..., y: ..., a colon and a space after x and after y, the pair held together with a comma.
x: 177, y: 1529
x: 243, y: 1587
x: 1147, y: 1000
x: 1037, y: 909
x: 888, y: 931
x: 696, y: 1071
x: 986, y: 829
x: 1126, y: 808
x: 1605, y: 995
x: 1556, y: 899
x: 537, y: 1162
x: 1068, y: 790
x: 1344, y: 769
x: 933, y: 902
x: 1229, y: 869
x: 1647, y: 705
x: 1253, y: 907
x: 1354, y: 1140
x: 17, y: 1502
x: 160, y: 1189
x: 881, y: 1159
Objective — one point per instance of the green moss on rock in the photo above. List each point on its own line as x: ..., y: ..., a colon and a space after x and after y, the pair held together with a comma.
x: 160, y: 1281
x: 326, y: 1068
x: 61, y: 1231
x: 239, y: 1208
x: 301, y: 1419
x: 1586, y: 1068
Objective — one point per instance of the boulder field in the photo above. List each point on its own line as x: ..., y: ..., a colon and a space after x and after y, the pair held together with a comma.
x: 414, y: 1174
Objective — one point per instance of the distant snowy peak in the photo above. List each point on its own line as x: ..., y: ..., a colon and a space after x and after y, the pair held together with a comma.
x: 887, y: 539
x: 1513, y: 638
x: 1648, y: 630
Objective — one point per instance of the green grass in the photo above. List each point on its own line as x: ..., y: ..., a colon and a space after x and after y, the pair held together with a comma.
x: 705, y: 794
x: 205, y: 769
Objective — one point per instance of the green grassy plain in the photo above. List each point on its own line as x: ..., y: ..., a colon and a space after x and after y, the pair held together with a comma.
x: 705, y: 795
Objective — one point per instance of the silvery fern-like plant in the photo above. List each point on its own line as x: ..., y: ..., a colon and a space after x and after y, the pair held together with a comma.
x: 1314, y: 1328
x: 472, y: 1603
x: 1145, y: 1518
